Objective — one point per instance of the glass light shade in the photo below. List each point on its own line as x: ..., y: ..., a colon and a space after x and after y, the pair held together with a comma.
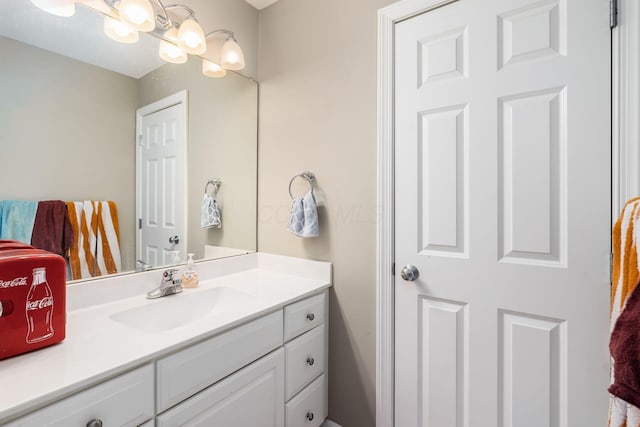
x: 211, y: 69
x: 137, y: 13
x: 169, y: 50
x: 98, y: 5
x: 119, y: 31
x: 64, y: 8
x: 191, y: 37
x: 231, y: 56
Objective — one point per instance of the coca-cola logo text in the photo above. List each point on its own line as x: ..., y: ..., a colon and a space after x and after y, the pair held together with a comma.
x: 43, y: 303
x: 18, y: 281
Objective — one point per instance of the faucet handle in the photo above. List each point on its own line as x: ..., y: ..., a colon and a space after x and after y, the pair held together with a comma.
x: 170, y: 275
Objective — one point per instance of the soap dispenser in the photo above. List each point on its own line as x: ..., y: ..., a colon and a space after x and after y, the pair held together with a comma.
x: 190, y: 275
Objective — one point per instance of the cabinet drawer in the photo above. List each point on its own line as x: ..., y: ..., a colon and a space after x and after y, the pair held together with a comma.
x: 304, y: 315
x: 126, y: 400
x: 306, y: 359
x: 189, y: 371
x: 309, y: 407
x: 253, y: 396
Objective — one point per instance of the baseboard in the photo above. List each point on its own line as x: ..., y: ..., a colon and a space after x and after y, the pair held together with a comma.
x: 329, y: 423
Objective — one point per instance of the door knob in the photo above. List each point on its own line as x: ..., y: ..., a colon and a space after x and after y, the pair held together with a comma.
x: 410, y: 273
x: 174, y: 240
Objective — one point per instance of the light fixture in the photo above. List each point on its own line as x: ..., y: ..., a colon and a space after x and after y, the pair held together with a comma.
x: 182, y: 33
x: 232, y: 57
x: 211, y: 69
x: 119, y: 31
x: 191, y: 37
x: 64, y: 8
x: 169, y: 50
x: 137, y: 13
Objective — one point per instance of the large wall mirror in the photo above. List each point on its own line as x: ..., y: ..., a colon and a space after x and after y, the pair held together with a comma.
x: 69, y: 98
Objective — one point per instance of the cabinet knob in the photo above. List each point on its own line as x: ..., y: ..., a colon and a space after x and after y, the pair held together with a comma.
x: 310, y: 361
x: 311, y: 316
x: 94, y: 423
x: 310, y: 416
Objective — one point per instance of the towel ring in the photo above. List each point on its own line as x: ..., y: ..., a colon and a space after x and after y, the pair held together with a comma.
x: 216, y: 186
x: 307, y: 176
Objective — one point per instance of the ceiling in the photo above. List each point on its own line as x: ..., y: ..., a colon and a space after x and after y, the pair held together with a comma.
x: 261, y: 4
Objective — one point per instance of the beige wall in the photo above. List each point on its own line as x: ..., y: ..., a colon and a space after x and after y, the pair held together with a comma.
x: 222, y: 144
x: 318, y: 112
x: 65, y: 137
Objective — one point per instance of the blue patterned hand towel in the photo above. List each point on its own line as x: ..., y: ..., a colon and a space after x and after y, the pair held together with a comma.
x: 211, y: 217
x: 303, y: 220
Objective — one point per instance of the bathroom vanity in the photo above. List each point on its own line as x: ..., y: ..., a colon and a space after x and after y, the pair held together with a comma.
x: 248, y: 347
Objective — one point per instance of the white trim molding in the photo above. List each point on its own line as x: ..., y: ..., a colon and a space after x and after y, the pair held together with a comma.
x: 385, y: 341
x: 625, y: 105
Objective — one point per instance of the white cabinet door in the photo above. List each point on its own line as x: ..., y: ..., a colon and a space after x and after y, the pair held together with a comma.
x: 125, y: 401
x: 253, y: 396
x: 502, y: 191
x: 188, y: 371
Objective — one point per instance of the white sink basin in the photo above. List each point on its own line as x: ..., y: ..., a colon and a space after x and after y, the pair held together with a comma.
x: 181, y: 309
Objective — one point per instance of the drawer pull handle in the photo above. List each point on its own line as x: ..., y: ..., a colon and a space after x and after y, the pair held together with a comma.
x: 310, y: 361
x: 310, y: 416
x: 94, y: 423
x: 311, y: 316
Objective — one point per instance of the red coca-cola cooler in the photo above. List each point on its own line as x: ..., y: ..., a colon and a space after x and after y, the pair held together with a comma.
x: 32, y: 298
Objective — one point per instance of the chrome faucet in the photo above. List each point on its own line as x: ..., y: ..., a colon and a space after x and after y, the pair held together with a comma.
x: 142, y: 266
x: 171, y: 284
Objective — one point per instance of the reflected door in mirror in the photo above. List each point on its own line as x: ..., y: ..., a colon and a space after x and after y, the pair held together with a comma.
x: 161, y: 194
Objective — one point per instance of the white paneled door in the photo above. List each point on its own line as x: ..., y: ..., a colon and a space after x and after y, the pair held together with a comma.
x: 502, y: 192
x: 161, y: 180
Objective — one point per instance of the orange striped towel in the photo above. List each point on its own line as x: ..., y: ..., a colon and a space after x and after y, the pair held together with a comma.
x: 625, y: 275
x: 108, y: 244
x: 96, y: 247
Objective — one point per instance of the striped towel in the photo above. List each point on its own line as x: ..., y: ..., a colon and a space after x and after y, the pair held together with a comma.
x: 96, y: 247
x: 625, y: 275
x: 108, y: 244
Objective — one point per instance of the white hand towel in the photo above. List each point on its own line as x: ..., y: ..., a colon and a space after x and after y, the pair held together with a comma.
x: 303, y: 220
x: 211, y: 217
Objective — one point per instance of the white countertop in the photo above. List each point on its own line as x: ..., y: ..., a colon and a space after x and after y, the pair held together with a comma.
x: 98, y: 347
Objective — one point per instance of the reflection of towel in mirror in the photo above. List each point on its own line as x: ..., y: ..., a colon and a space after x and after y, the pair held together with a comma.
x: 211, y: 216
x: 52, y: 230
x: 108, y: 239
x: 96, y: 247
x: 82, y: 253
x: 303, y: 220
x: 16, y: 220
